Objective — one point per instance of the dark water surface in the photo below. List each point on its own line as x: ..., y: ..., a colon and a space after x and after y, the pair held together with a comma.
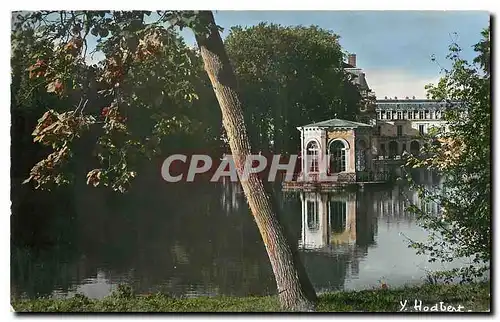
x: 200, y: 239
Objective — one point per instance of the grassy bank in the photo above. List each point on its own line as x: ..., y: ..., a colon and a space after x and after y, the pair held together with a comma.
x: 474, y: 297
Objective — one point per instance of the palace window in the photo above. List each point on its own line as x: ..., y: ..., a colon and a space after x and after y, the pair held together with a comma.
x: 312, y: 156
x: 410, y: 115
x: 421, y: 129
x: 337, y: 157
x: 421, y: 115
x: 427, y: 114
x: 431, y: 115
x: 400, y: 116
x: 415, y: 113
x: 393, y: 115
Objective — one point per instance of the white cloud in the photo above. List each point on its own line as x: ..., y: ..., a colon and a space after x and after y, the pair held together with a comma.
x: 397, y: 82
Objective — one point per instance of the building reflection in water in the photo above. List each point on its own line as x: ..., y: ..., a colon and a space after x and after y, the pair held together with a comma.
x: 330, y: 219
x: 341, y: 228
x: 335, y: 235
x: 393, y: 203
x: 231, y: 196
x: 327, y: 220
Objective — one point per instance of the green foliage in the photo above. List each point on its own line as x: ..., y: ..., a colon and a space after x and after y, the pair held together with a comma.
x: 475, y: 297
x: 289, y: 76
x: 149, y: 88
x: 462, y: 156
x: 144, y: 90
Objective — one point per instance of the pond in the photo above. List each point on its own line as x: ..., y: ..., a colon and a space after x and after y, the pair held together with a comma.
x: 198, y: 239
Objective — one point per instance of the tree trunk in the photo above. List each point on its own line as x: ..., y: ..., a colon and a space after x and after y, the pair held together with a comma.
x: 295, y: 291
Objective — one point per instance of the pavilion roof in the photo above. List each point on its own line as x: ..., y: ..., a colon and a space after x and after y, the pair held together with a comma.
x: 337, y: 123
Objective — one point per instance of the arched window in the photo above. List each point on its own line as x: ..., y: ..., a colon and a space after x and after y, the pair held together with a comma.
x: 414, y: 148
x: 360, y: 155
x: 337, y: 152
x: 312, y: 156
x: 393, y: 148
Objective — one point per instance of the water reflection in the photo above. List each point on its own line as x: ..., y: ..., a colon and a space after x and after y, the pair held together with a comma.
x: 343, y: 246
x: 327, y: 220
x: 231, y: 195
x: 200, y: 239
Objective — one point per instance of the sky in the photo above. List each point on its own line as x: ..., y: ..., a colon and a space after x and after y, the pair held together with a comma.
x: 394, y: 48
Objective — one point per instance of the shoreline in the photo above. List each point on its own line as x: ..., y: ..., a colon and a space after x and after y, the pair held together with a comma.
x: 427, y: 298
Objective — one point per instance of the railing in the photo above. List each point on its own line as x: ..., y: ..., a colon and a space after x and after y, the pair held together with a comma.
x: 312, y: 177
x: 386, y: 157
x: 403, y: 136
x: 365, y: 176
x: 382, y: 176
x: 360, y: 176
x: 370, y: 176
x: 346, y: 177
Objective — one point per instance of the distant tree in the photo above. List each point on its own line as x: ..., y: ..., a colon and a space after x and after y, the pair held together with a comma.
x: 463, y: 157
x: 288, y: 77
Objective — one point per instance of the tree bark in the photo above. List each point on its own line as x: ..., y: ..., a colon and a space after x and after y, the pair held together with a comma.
x: 295, y: 291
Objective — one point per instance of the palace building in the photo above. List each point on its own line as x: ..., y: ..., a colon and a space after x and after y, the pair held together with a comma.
x: 360, y: 150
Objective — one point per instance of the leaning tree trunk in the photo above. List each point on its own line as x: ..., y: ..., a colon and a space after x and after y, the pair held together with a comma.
x: 295, y: 291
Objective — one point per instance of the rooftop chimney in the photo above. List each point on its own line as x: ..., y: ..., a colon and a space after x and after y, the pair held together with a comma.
x: 351, y: 60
